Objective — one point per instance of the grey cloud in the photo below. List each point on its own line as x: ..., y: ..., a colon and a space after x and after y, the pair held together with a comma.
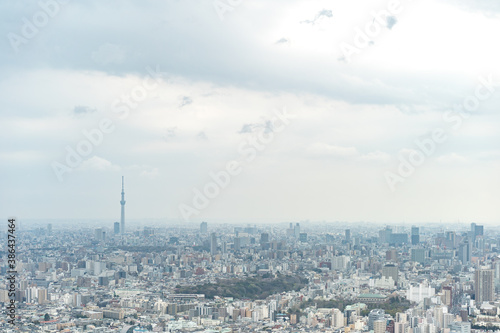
x: 193, y: 51
x: 282, y: 41
x: 186, y: 100
x: 82, y: 110
x: 267, y: 126
x: 391, y: 21
x: 324, y: 13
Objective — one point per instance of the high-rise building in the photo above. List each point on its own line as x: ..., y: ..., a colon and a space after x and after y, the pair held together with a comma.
x: 473, y: 230
x: 398, y: 238
x: 264, y: 237
x: 391, y: 255
x: 347, y: 235
x: 385, y: 235
x: 117, y: 228
x: 391, y: 270
x: 237, y: 244
x: 122, y: 203
x: 484, y: 285
x: 297, y: 230
x: 337, y: 318
x: 42, y: 296
x: 264, y: 241
x: 49, y: 229
x: 465, y: 253
x: 204, y: 227
x: 415, y: 235
x: 99, y: 234
x: 447, y: 296
x: 418, y: 255
x: 213, y: 243
x: 439, y: 312
x: 451, y: 239
x: 303, y: 237
x: 479, y: 230
x: 479, y: 243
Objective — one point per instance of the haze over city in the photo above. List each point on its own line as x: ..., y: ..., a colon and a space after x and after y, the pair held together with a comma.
x: 229, y: 166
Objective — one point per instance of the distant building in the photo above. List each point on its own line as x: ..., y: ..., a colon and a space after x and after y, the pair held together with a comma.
x: 118, y: 314
x: 465, y: 253
x: 391, y: 270
x: 99, y: 234
x: 347, y: 235
x: 385, y: 235
x: 447, y: 296
x: 451, y: 239
x: 418, y: 255
x: 379, y: 326
x: 415, y: 236
x: 117, y: 228
x: 373, y: 316
x: 303, y: 237
x: 297, y: 230
x: 484, y: 285
x: 264, y: 241
x: 204, y: 227
x: 460, y: 327
x: 398, y: 239
x: 42, y: 296
x: 479, y: 230
x: 391, y: 255
x: 371, y: 298
x: 419, y: 292
x: 264, y: 237
x: 213, y: 243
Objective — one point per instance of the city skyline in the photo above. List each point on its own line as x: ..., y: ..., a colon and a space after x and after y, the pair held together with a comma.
x: 264, y: 278
x: 291, y: 166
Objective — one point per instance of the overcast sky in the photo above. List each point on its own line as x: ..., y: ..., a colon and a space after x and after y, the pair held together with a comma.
x: 210, y: 76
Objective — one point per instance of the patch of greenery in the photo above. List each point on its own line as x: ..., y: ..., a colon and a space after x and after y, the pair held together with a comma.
x: 250, y: 288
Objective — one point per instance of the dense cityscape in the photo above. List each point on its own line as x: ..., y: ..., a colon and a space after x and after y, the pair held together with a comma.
x: 296, y: 277
x: 231, y: 166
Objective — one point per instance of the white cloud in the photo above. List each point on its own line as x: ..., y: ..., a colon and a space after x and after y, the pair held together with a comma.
x: 96, y: 163
x: 321, y: 148
x: 452, y: 158
x: 376, y: 156
x: 363, y: 112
